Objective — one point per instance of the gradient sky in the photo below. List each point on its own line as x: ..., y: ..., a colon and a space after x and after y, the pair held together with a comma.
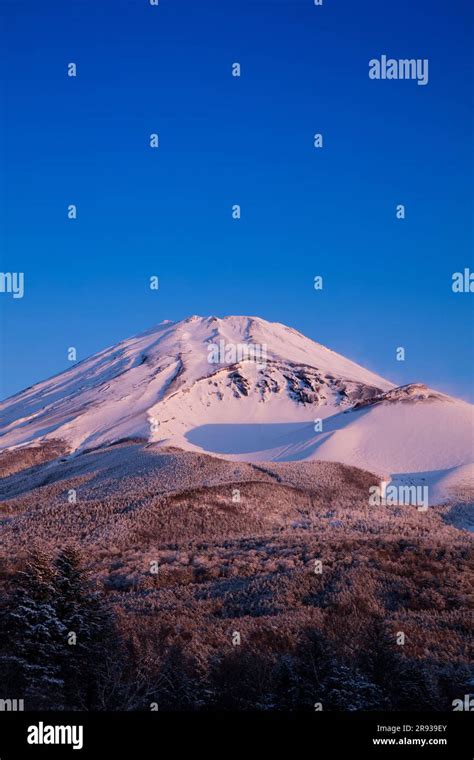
x: 223, y: 140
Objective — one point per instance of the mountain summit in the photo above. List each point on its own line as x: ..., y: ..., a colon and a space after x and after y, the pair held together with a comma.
x: 241, y: 388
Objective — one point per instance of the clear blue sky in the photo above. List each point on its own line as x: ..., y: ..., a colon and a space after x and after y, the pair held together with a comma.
x: 224, y: 140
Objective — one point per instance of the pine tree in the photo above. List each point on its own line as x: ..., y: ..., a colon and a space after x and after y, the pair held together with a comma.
x: 30, y: 635
x: 56, y: 637
x: 90, y: 637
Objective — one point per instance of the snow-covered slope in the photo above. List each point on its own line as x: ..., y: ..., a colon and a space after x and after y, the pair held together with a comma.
x: 167, y: 385
x: 164, y: 377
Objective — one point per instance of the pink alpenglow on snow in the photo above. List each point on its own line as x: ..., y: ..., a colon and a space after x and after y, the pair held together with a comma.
x: 267, y: 394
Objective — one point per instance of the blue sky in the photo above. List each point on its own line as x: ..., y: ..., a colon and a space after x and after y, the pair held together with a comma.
x: 247, y: 140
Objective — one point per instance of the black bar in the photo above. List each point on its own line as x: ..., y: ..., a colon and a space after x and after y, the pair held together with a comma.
x: 312, y: 735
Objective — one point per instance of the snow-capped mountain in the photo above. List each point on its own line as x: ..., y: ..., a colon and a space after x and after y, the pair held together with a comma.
x: 242, y: 388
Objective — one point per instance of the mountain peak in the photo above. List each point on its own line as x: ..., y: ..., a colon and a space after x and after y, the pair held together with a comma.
x: 198, y: 367
x: 237, y: 386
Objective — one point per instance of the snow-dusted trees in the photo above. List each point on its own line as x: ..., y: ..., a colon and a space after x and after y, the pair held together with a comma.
x: 30, y: 635
x: 55, y: 636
